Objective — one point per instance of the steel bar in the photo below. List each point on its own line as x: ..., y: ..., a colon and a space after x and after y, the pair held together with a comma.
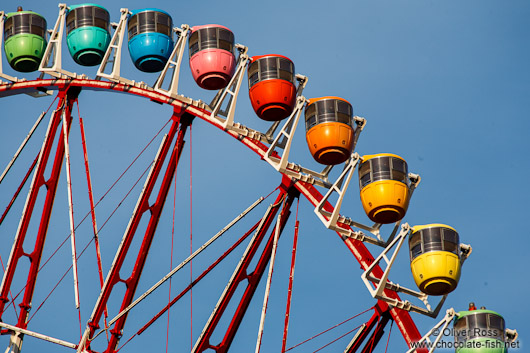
x: 255, y: 276
x: 290, y: 288
x: 268, y: 285
x: 38, y: 335
x: 92, y: 210
x: 113, y: 276
x: 15, y: 196
x: 17, y: 153
x: 66, y: 128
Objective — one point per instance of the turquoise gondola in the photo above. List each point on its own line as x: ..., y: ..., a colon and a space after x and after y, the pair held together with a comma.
x: 87, y: 33
x: 150, y: 39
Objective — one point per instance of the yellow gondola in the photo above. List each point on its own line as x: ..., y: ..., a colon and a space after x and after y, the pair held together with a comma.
x: 383, y: 181
x: 435, y: 258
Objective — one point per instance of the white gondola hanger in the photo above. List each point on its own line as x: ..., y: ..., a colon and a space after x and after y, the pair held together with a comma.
x: 51, y: 63
x: 114, y: 51
x: 173, y: 63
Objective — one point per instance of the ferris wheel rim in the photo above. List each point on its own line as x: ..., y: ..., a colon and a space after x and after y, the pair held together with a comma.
x: 200, y: 110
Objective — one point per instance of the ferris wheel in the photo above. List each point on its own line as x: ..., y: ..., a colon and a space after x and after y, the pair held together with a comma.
x: 217, y: 63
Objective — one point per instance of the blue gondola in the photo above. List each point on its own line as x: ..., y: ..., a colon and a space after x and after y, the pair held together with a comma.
x: 150, y: 39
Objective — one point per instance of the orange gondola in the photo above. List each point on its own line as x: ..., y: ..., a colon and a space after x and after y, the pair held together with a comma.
x: 271, y: 86
x: 329, y: 129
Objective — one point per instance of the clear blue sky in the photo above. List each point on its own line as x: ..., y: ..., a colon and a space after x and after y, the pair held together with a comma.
x: 444, y: 84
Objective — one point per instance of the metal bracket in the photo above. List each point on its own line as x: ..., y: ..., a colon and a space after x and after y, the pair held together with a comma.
x: 425, y: 342
x: 340, y: 186
x: 232, y: 90
x: 383, y: 283
x: 361, y: 124
x: 15, y: 342
x: 174, y: 63
x: 51, y: 63
x: 115, y: 49
x: 511, y: 335
x: 465, y: 251
x: 302, y: 82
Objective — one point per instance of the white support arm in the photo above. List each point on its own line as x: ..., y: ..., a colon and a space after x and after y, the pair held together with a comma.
x: 174, y: 62
x: 115, y: 49
x: 287, y: 132
x: 51, y: 62
x: 231, y: 90
x: 340, y: 186
x: 440, y: 328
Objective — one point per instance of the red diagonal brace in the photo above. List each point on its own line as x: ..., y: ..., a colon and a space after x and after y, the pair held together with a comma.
x: 241, y: 273
x: 142, y: 207
x: 377, y: 334
x: 24, y: 180
x: 66, y: 99
x: 380, y: 311
x: 196, y: 280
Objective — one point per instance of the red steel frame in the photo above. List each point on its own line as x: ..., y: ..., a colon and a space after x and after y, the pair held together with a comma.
x: 181, y: 121
x: 288, y: 192
x: 66, y: 99
x: 358, y: 249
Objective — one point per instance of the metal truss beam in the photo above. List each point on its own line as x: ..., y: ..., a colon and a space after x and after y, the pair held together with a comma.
x: 180, y: 123
x: 284, y: 202
x: 64, y: 107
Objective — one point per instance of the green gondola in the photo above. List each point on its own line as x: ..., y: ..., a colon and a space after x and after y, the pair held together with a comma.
x: 24, y: 40
x: 479, y: 331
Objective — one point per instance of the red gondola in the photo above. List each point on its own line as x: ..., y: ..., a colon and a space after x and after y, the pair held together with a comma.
x: 271, y: 86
